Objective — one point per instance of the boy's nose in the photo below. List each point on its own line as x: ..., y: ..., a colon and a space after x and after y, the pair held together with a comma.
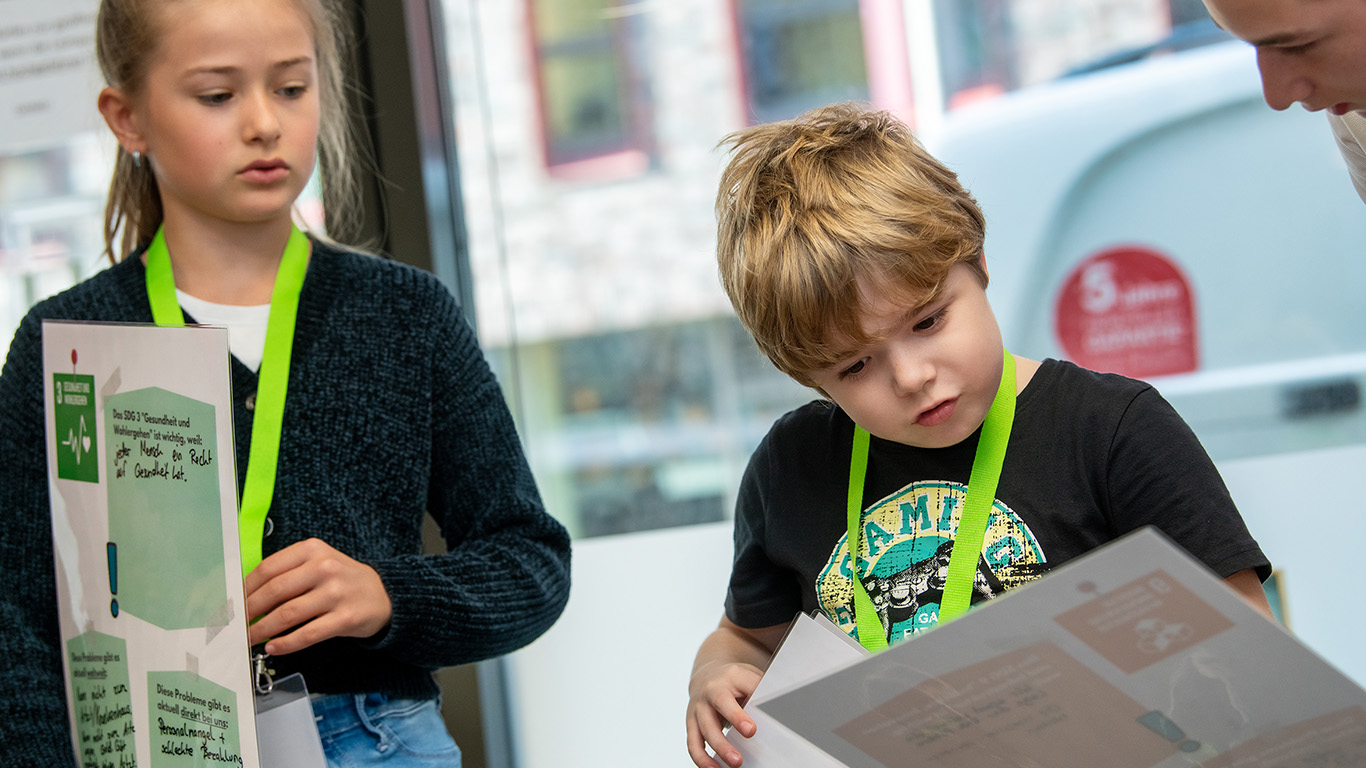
x: 910, y: 373
x: 1282, y: 82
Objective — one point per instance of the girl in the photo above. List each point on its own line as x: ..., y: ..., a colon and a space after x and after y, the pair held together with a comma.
x: 220, y: 108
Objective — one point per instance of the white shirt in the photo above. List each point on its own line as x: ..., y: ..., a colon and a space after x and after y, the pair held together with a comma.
x: 1350, y: 131
x: 246, y: 325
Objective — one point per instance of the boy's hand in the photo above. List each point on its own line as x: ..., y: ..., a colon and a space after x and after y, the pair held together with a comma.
x: 729, y: 665
x: 318, y: 592
x: 716, y: 696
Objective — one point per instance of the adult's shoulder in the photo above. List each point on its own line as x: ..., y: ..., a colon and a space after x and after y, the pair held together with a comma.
x: 1350, y: 132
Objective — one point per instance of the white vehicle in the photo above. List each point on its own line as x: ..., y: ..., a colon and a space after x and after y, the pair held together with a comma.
x: 1159, y: 220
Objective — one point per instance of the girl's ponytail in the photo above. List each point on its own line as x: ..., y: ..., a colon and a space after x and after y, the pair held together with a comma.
x: 133, y: 210
x: 125, y: 36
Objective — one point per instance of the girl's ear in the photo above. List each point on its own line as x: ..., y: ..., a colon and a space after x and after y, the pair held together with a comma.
x: 117, y: 108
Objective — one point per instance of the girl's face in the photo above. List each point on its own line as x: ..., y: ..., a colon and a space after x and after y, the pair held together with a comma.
x: 229, y: 111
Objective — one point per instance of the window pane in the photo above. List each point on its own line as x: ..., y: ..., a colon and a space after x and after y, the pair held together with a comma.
x: 639, y: 395
x: 583, y: 105
x: 989, y: 47
x: 586, y: 65
x: 647, y: 427
x: 784, y: 77
x: 557, y: 20
x: 51, y: 219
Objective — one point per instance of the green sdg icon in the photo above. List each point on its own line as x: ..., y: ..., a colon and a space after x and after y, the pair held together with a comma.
x: 74, y: 414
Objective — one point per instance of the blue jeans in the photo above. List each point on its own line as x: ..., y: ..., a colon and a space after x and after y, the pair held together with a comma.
x: 375, y: 730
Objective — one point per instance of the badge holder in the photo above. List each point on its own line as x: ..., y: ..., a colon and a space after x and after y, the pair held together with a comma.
x: 286, y: 730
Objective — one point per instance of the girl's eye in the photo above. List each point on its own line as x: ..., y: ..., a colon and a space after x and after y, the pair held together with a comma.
x: 214, y: 98
x: 292, y: 91
x: 932, y: 321
x: 854, y: 369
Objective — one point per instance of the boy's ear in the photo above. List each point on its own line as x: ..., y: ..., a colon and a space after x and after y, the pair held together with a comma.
x: 117, y: 109
x: 983, y: 261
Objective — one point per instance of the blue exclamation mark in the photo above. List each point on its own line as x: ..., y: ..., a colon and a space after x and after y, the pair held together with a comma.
x: 112, y: 554
x: 1163, y: 726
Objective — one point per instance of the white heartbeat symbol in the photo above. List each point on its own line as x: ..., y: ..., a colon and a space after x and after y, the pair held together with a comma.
x: 77, y: 446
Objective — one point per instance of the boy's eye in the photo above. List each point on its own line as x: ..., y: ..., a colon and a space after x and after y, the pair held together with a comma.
x: 214, y: 98
x: 931, y: 321
x: 854, y: 369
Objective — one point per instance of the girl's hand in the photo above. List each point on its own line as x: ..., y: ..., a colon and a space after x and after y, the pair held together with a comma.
x: 318, y: 593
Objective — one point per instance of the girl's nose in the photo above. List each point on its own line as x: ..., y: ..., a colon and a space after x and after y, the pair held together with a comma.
x: 261, y: 123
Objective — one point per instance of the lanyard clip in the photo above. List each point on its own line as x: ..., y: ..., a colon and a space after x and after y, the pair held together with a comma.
x: 264, y: 682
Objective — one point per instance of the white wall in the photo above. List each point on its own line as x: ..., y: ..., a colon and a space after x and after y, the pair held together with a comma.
x: 608, y: 684
x: 1306, y: 511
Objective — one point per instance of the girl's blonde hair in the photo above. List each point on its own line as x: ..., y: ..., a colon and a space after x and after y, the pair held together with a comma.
x: 126, y: 37
x: 809, y: 207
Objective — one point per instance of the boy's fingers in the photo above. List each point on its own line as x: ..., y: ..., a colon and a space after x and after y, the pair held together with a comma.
x: 731, y: 711
x: 713, y: 732
x: 697, y: 749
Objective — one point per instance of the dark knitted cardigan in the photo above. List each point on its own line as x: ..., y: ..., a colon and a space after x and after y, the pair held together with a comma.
x: 392, y: 414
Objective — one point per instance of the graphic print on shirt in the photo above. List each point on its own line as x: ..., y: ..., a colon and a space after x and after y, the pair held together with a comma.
x: 904, y: 558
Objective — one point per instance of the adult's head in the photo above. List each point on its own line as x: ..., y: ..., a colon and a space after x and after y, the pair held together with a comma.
x: 1308, y: 51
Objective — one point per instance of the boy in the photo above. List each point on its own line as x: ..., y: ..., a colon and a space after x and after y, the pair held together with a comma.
x: 854, y: 258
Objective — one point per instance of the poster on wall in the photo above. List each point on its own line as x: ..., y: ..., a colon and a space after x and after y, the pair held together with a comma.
x: 144, y: 524
x: 48, y: 74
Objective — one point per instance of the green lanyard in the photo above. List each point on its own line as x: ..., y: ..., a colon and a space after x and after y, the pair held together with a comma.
x: 274, y: 377
x: 972, y: 524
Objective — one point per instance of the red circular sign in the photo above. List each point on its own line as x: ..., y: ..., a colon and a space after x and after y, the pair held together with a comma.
x: 1128, y: 310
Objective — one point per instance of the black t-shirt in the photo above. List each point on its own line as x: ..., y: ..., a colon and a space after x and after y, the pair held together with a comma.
x: 1091, y: 457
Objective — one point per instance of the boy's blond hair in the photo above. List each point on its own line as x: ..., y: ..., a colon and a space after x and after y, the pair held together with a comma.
x: 809, y: 207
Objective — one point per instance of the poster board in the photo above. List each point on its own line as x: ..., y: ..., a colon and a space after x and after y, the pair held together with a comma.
x: 49, y: 77
x: 144, y: 523
x: 1132, y: 656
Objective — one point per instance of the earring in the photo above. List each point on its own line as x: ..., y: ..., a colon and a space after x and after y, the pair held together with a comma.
x: 137, y: 159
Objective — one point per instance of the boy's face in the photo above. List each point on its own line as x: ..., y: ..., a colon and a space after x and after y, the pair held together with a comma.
x: 1310, y: 51
x: 931, y: 379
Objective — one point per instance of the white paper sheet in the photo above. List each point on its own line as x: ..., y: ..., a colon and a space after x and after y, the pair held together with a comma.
x: 1134, y: 656
x: 813, y: 647
x: 144, y: 519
